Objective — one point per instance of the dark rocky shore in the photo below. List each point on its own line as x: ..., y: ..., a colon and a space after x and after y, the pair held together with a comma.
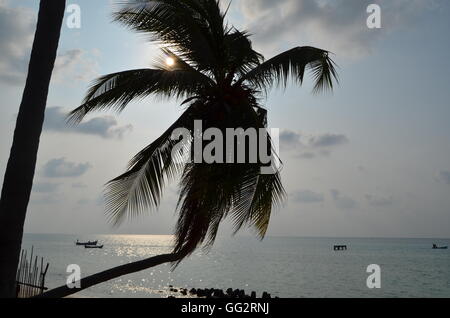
x: 216, y: 293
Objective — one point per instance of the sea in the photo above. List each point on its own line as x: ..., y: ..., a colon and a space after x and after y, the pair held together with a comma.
x: 287, y: 267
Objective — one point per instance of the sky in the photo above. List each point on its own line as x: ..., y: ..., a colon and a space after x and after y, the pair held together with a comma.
x: 371, y: 159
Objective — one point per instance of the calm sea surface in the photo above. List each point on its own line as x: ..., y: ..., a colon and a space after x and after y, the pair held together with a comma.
x: 283, y: 266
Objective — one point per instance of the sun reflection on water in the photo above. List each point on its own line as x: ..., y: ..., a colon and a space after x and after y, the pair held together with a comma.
x: 137, y: 246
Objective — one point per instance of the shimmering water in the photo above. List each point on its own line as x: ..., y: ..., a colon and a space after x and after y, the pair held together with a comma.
x: 283, y: 266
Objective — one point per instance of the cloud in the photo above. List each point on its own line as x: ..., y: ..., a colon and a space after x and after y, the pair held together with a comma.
x: 106, y: 127
x: 17, y: 28
x: 45, y: 187
x: 289, y: 137
x: 306, y: 155
x: 44, y: 199
x: 327, y: 140
x: 59, y: 168
x: 75, y: 65
x: 16, y: 37
x: 379, y: 201
x: 335, y: 25
x: 308, y: 146
x: 83, y: 201
x: 307, y: 196
x: 361, y: 168
x: 78, y: 185
x: 444, y: 176
x: 342, y: 202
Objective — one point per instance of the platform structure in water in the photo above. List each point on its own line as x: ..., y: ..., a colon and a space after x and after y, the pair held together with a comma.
x: 340, y: 247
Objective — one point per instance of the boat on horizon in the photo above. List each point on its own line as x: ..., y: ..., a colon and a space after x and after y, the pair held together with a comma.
x: 435, y: 247
x: 86, y: 243
x: 93, y: 246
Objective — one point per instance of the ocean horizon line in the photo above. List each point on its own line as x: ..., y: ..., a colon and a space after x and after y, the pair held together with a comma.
x: 249, y: 236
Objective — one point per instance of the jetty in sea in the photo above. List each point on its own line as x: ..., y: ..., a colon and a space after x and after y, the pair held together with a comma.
x: 340, y: 247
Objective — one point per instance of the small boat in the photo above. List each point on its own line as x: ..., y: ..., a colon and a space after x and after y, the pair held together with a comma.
x: 86, y: 243
x: 435, y: 247
x: 93, y: 246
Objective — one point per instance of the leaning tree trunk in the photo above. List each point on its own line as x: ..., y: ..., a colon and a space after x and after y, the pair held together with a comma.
x: 112, y: 273
x: 22, y: 160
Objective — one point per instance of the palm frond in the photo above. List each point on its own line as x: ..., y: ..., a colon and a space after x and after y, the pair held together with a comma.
x: 189, y: 28
x: 211, y: 193
x: 206, y: 197
x: 239, y: 53
x: 115, y: 91
x: 293, y: 64
x: 140, y: 188
x: 267, y: 192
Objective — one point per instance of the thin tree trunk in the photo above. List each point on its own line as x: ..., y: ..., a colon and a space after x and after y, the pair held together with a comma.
x: 112, y: 273
x: 19, y: 173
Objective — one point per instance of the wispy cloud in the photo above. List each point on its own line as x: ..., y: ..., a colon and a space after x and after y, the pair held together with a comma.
x: 16, y: 36
x: 75, y: 65
x: 308, y: 146
x: 59, y: 168
x: 338, y: 25
x: 444, y: 176
x: 79, y: 185
x: 307, y: 196
x: 106, y: 126
x: 17, y: 27
x: 45, y: 187
x: 342, y: 201
x: 379, y: 201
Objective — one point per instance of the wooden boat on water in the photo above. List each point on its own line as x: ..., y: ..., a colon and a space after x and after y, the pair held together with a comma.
x: 435, y: 247
x: 93, y: 246
x: 86, y: 243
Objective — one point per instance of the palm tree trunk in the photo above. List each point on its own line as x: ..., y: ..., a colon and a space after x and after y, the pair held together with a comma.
x: 19, y: 173
x: 112, y: 273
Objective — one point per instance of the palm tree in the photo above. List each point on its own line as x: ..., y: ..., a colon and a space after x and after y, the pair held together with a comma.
x: 212, y: 68
x: 19, y: 173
